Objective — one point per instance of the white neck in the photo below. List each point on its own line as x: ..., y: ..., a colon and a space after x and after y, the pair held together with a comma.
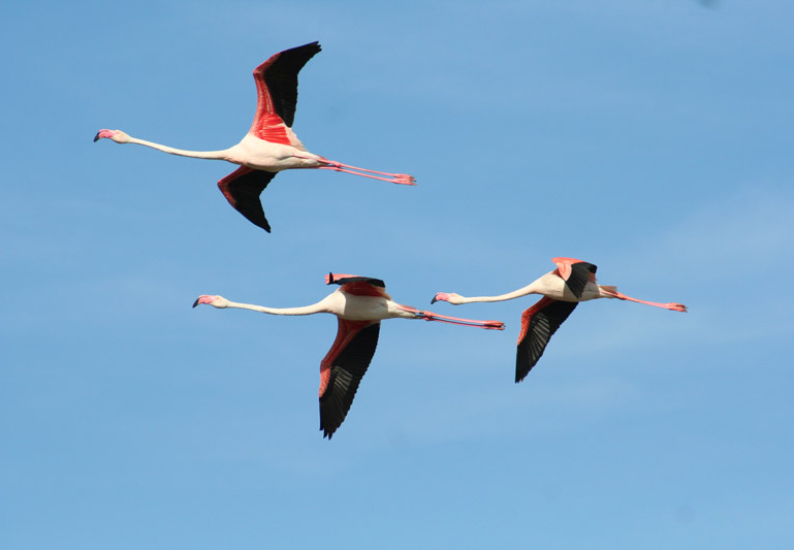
x: 529, y: 289
x: 212, y: 155
x: 319, y: 307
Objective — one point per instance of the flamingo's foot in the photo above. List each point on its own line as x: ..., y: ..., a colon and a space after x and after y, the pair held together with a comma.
x: 404, y: 179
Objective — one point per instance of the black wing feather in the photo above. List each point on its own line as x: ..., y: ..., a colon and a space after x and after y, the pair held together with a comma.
x: 345, y: 280
x: 543, y: 323
x: 580, y: 274
x: 347, y: 371
x: 242, y: 189
x: 282, y: 79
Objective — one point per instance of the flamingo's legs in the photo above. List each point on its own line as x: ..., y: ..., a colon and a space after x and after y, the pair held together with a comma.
x: 402, y: 179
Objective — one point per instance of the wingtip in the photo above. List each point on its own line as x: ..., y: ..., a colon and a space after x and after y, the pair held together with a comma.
x: 327, y: 434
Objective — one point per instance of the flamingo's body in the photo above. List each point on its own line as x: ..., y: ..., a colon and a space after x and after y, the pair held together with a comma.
x: 270, y: 145
x: 360, y: 304
x: 562, y: 289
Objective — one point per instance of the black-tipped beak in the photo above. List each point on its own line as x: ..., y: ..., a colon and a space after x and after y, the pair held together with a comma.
x: 433, y: 301
x: 196, y: 302
x: 96, y: 137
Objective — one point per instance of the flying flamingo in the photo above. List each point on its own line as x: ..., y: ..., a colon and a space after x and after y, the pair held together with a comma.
x: 360, y: 304
x: 572, y: 282
x: 270, y: 145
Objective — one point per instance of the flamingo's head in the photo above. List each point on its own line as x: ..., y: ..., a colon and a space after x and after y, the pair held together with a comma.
x: 451, y: 297
x: 215, y: 301
x: 116, y: 135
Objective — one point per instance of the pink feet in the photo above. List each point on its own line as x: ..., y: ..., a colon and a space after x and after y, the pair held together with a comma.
x: 404, y: 179
x: 677, y: 307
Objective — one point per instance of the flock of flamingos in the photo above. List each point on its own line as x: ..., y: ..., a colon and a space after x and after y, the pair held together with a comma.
x: 360, y: 303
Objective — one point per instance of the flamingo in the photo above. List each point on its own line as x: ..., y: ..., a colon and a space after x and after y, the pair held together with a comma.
x: 360, y: 303
x: 270, y: 145
x: 562, y: 289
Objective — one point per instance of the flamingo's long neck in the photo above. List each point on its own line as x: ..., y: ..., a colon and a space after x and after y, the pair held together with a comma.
x: 319, y: 307
x: 613, y: 293
x: 529, y: 289
x: 212, y: 155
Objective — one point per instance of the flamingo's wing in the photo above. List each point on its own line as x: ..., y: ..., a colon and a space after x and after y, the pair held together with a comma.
x: 343, y: 279
x: 576, y: 274
x: 356, y: 285
x: 277, y: 92
x: 538, y: 324
x: 242, y: 189
x: 343, y: 368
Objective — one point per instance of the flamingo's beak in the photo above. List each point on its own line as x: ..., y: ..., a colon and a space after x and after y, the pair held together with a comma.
x: 103, y: 133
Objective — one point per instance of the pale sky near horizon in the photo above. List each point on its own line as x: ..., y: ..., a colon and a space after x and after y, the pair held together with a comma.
x: 651, y: 138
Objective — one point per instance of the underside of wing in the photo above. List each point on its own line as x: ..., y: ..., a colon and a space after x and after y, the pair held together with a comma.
x: 242, y: 189
x: 342, y: 370
x: 538, y: 324
x: 277, y: 92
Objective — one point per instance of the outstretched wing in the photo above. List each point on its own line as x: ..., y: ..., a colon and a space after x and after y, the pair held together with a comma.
x: 576, y: 274
x: 538, y: 324
x: 242, y: 189
x: 356, y: 285
x: 343, y: 368
x: 277, y: 92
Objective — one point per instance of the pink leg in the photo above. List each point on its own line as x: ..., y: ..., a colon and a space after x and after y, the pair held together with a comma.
x: 402, y: 179
x: 491, y: 325
x: 430, y: 316
x: 671, y: 306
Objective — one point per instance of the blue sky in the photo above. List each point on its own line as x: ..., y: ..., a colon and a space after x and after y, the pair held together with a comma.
x: 650, y: 138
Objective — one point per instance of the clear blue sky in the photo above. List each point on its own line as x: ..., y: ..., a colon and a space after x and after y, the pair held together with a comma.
x: 650, y: 138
